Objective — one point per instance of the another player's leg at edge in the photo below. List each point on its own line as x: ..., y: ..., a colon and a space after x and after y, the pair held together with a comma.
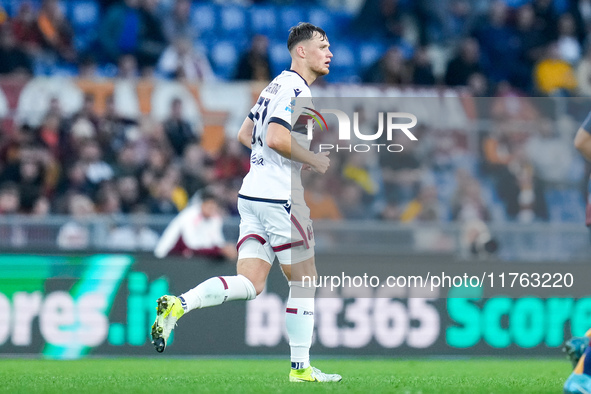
x: 578, y: 351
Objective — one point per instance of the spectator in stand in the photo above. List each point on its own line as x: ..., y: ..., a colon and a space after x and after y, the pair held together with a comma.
x: 197, y: 231
x: 422, y: 69
x: 108, y: 201
x: 14, y: 60
x: 9, y: 198
x: 581, y: 12
x: 583, y: 73
x: 55, y: 30
x: 127, y: 164
x: 254, y: 64
x: 179, y: 132
x: 133, y: 236
x: 97, y: 170
x: 546, y: 19
x: 73, y: 182
x: 351, y: 204
x: 499, y: 45
x: 30, y: 183
x: 127, y: 67
x: 151, y: 39
x: 26, y: 31
x: 568, y: 43
x: 3, y: 16
x: 464, y: 64
x: 423, y: 208
x: 177, y: 23
x: 554, y: 76
x: 232, y: 163
x: 158, y: 162
x: 391, y: 69
x: 531, y: 41
x: 497, y: 159
x: 197, y: 169
x: 182, y: 61
x: 120, y: 30
x: 322, y: 204
x: 115, y: 129
x: 401, y: 172
x: 129, y: 192
x: 75, y: 234
x: 467, y: 203
x: 168, y: 197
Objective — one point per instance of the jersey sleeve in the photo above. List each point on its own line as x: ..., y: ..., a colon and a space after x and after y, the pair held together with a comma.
x: 587, y: 124
x: 289, y: 107
x: 283, y: 110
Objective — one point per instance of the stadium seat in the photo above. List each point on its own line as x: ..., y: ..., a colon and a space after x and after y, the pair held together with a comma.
x: 224, y: 57
x: 34, y: 99
x: 369, y: 53
x: 204, y: 17
x: 288, y: 17
x: 279, y: 56
x: 322, y: 17
x: 126, y: 100
x: 233, y: 21
x: 345, y: 69
x: 83, y: 15
x: 263, y: 20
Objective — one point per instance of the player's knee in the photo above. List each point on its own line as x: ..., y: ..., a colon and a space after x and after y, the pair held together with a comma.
x: 259, y: 287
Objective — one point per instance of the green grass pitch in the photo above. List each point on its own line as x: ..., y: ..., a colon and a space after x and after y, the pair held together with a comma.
x: 198, y: 375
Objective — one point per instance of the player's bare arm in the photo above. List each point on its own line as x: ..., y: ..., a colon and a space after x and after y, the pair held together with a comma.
x: 583, y: 143
x: 245, y: 132
x: 280, y: 140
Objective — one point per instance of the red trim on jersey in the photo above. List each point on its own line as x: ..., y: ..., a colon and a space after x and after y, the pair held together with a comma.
x: 224, y: 282
x: 301, y: 230
x: 287, y: 246
x: 256, y: 236
x: 292, y: 310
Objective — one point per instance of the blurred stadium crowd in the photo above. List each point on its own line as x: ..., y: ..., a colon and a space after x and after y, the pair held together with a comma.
x: 109, y: 163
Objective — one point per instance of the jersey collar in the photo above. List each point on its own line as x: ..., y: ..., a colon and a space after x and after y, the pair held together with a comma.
x: 292, y: 71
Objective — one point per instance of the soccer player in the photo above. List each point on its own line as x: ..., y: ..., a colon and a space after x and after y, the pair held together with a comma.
x: 583, y: 145
x: 270, y: 201
x: 579, y: 381
x: 577, y: 348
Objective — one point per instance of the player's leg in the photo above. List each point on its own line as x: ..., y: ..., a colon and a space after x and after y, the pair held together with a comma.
x: 579, y: 382
x: 246, y: 285
x: 254, y: 262
x: 299, y: 318
x: 575, y: 347
x: 299, y: 311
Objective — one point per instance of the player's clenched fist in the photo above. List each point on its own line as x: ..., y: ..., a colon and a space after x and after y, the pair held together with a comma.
x: 321, y: 162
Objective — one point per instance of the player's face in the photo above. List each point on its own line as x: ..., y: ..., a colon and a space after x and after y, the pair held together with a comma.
x: 318, y: 55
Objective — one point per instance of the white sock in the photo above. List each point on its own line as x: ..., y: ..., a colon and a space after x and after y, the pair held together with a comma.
x: 217, y: 290
x: 299, y: 320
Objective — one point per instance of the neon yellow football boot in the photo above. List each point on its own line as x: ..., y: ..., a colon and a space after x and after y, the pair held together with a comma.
x: 169, y: 310
x: 312, y: 374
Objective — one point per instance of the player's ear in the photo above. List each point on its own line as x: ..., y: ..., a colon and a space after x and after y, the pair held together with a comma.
x: 301, y: 51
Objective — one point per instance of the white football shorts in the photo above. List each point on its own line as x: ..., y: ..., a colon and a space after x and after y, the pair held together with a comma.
x: 270, y: 228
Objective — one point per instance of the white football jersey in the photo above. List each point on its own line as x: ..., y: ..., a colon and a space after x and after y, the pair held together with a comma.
x: 272, y: 176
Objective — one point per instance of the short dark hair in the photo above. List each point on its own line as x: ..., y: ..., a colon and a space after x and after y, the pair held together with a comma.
x: 302, y: 32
